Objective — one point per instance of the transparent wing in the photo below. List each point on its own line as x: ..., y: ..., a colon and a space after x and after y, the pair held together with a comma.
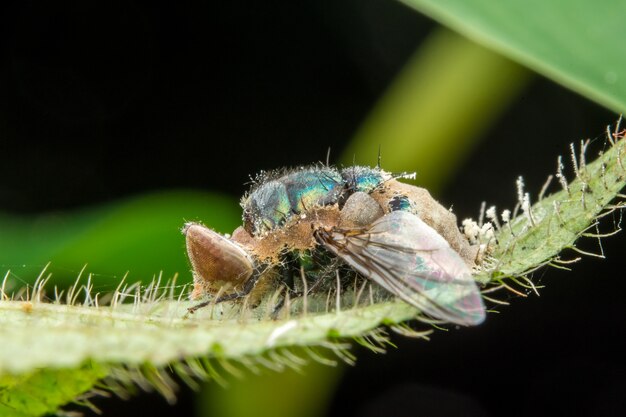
x: 410, y: 259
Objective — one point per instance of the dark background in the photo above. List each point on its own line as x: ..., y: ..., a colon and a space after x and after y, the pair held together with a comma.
x: 102, y: 100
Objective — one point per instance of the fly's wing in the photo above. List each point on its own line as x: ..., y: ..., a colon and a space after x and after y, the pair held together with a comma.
x: 410, y: 259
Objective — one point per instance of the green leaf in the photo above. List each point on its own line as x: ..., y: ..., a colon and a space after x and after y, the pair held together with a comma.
x: 43, y: 391
x: 536, y: 237
x: 577, y: 43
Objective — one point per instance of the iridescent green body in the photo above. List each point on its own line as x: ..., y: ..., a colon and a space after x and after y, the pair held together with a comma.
x: 364, y: 179
x: 276, y: 200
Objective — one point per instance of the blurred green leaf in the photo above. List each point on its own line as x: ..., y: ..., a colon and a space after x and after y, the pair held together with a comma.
x: 43, y: 391
x: 140, y: 235
x: 305, y: 393
x: 577, y: 43
x: 445, y: 97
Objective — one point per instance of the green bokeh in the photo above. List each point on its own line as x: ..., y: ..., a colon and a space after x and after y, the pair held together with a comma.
x: 139, y: 235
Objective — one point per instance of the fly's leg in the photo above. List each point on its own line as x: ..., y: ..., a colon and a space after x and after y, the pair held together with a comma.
x: 278, y: 308
x: 287, y: 278
x: 247, y: 288
x: 291, y: 272
x: 289, y: 261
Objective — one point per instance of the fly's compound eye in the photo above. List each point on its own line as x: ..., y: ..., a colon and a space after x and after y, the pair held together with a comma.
x: 216, y: 260
x: 360, y: 210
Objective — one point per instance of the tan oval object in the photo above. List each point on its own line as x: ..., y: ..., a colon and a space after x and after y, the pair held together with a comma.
x: 216, y: 260
x: 360, y: 210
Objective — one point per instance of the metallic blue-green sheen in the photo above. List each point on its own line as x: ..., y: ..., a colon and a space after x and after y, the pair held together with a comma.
x: 275, y: 201
x: 309, y: 188
x: 362, y: 179
x: 267, y: 207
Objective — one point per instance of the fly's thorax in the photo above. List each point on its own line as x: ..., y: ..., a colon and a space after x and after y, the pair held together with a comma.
x: 297, y: 234
x: 273, y: 203
x: 430, y: 212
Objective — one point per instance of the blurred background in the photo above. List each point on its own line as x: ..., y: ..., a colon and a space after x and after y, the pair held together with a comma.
x: 121, y: 121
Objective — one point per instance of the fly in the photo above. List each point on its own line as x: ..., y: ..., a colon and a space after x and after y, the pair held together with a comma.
x: 315, y: 218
